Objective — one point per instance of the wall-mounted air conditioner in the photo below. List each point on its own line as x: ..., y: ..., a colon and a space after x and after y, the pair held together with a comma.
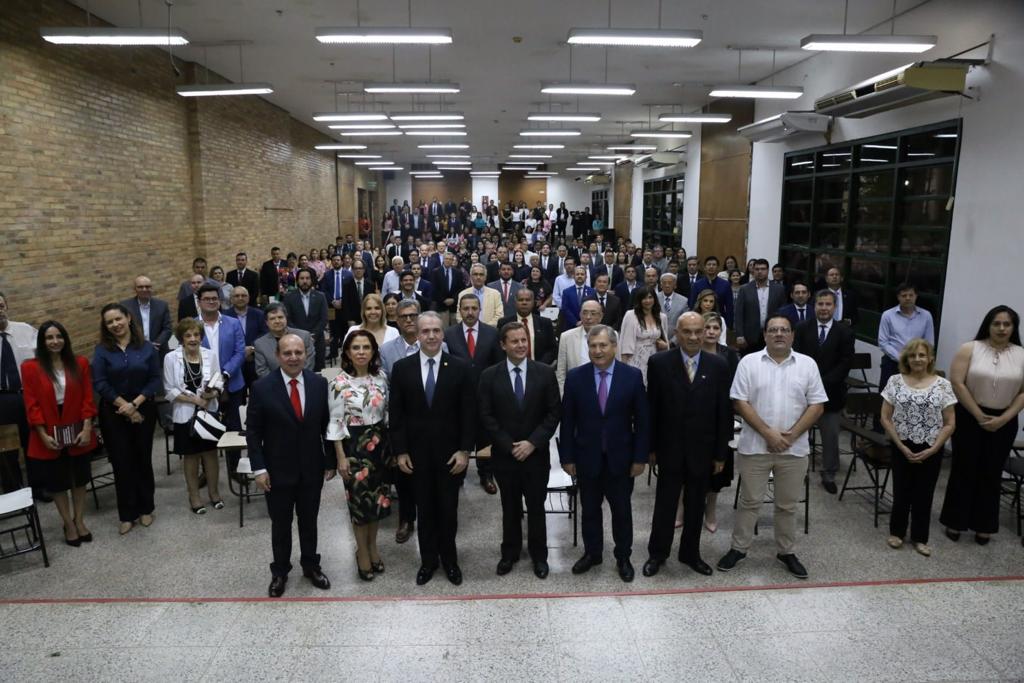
x: 908, y: 84
x: 784, y: 125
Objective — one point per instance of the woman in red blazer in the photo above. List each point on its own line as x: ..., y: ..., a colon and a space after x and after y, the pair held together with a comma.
x: 57, y: 390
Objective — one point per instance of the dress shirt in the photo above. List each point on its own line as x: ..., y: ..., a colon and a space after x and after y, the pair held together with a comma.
x: 896, y: 329
x: 411, y: 348
x: 301, y: 388
x: 510, y: 368
x: 608, y: 380
x: 480, y: 295
x: 241, y: 318
x: 126, y: 373
x: 762, y: 301
x: 424, y: 367
x: 801, y: 313
x: 305, y: 301
x: 390, y: 284
x: 23, y: 342
x: 696, y: 360
x: 144, y: 313
x: 213, y: 337
x: 561, y: 282
x: 339, y: 284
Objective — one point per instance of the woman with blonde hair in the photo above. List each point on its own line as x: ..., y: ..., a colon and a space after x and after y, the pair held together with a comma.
x: 374, y: 320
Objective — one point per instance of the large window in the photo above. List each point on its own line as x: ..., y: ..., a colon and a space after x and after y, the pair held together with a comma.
x: 880, y: 209
x: 663, y: 211
x: 599, y: 206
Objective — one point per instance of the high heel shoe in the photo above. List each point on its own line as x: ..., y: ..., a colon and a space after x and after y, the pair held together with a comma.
x: 377, y: 567
x: 952, y: 535
x: 217, y: 504
x: 982, y: 540
x: 73, y: 542
x: 86, y: 538
x: 365, y: 576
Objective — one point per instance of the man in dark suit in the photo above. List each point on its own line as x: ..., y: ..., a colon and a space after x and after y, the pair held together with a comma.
x: 477, y: 344
x: 561, y: 219
x: 831, y: 345
x: 448, y: 281
x: 307, y: 310
x: 757, y: 301
x: 189, y: 306
x: 539, y: 330
x: 798, y: 311
x: 687, y: 280
x: 847, y: 305
x: 152, y: 314
x: 432, y: 413
x: 556, y: 264
x: 407, y: 290
x: 611, y: 306
x: 721, y: 288
x: 494, y: 265
x: 254, y: 324
x: 422, y: 284
x: 287, y: 420
x: 624, y: 290
x: 269, y: 274
x: 352, y: 292
x: 604, y: 442
x: 572, y: 298
x: 691, y: 425
x: 612, y: 269
x: 519, y: 409
x: 243, y: 276
x: 332, y: 286
x: 506, y: 287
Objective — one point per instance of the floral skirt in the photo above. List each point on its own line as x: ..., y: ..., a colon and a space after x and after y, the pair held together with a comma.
x: 367, y: 491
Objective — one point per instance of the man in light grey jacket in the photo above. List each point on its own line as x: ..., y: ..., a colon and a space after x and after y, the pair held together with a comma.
x: 265, y: 354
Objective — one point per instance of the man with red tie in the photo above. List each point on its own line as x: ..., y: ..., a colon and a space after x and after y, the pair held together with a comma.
x: 507, y: 288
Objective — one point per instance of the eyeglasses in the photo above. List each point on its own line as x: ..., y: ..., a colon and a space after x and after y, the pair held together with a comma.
x: 408, y: 316
x: 778, y: 330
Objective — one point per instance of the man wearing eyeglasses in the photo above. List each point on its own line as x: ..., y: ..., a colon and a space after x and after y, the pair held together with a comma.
x: 779, y: 395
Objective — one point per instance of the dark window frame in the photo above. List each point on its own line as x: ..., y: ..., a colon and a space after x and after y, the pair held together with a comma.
x: 661, y: 226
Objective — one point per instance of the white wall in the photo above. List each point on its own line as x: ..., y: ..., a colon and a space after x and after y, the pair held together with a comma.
x: 399, y: 188
x: 575, y: 193
x: 986, y: 248
x: 485, y: 186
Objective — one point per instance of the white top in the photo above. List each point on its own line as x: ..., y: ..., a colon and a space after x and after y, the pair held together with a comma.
x: 213, y: 338
x: 144, y: 313
x: 174, y: 382
x: 510, y: 368
x: 779, y: 394
x: 917, y: 413
x: 389, y: 333
x: 425, y: 367
x: 23, y: 341
x: 994, y: 379
x: 59, y: 384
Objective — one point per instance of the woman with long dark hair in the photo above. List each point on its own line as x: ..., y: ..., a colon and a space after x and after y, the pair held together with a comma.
x: 644, y: 331
x: 57, y: 390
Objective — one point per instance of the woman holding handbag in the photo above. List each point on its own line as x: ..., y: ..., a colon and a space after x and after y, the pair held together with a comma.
x: 191, y: 376
x: 57, y: 391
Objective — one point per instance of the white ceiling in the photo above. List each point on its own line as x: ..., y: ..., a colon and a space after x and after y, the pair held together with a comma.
x: 501, y: 78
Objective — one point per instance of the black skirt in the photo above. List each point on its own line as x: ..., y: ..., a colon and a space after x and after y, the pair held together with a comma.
x: 187, y: 443
x: 63, y: 473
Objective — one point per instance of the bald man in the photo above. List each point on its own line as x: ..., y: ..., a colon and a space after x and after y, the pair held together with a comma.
x: 152, y: 314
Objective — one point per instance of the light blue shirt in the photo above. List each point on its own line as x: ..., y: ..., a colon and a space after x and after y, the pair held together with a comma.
x: 696, y: 359
x: 896, y: 329
x: 608, y: 379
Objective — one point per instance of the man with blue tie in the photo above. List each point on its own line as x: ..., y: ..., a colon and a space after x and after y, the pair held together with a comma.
x: 572, y: 299
x: 605, y: 437
x: 332, y: 284
x: 798, y: 311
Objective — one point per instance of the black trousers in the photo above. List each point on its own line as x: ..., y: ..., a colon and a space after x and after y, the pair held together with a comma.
x: 338, y: 328
x: 229, y: 405
x: 516, y: 483
x: 666, y: 500
x: 12, y: 411
x: 972, y: 494
x: 406, y: 497
x: 130, y: 447
x: 913, y: 488
x: 437, y: 510
x: 617, y: 489
x: 303, y: 500
x: 319, y: 350
x: 484, y: 468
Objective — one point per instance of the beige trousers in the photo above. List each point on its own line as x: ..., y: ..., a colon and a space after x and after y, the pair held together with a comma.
x: 789, y: 472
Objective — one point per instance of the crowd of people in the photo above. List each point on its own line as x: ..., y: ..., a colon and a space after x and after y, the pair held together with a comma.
x: 458, y: 338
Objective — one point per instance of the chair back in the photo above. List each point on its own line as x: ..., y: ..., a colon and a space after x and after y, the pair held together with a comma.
x: 861, y: 361
x: 863, y: 405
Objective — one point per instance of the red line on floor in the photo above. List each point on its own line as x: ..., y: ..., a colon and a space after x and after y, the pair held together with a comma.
x: 511, y: 596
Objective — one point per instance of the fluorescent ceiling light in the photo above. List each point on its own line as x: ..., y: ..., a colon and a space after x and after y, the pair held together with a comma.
x: 351, y: 116
x: 564, y: 116
x: 876, y: 161
x: 443, y: 146
x: 882, y: 146
x: 540, y: 175
x: 413, y: 88
x: 387, y: 168
x: 492, y: 173
x: 579, y: 168
x: 632, y: 148
x: 361, y: 126
x: 340, y: 146
x: 447, y: 156
x: 946, y: 135
x: 551, y: 132
x: 695, y: 118
x: 356, y: 133
x: 802, y: 163
x: 377, y: 162
x: 597, y: 163
x: 868, y: 43
x: 359, y: 156
x: 438, y: 133
x: 453, y: 168
x: 538, y: 146
x: 451, y: 162
x: 607, y: 157
x: 113, y: 36
x: 414, y: 126
x: 427, y: 116
x: 529, y: 156
x: 367, y: 35
x: 224, y: 89
x: 632, y: 37
x: 665, y: 134
x: 506, y: 167
x: 588, y: 89
x: 771, y: 92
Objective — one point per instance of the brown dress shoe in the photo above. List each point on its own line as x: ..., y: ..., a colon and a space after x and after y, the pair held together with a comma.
x: 405, y: 530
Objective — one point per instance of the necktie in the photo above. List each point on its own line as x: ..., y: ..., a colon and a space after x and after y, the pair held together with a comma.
x: 470, y: 342
x: 691, y: 368
x: 428, y: 389
x: 359, y: 288
x: 579, y: 294
x: 520, y: 392
x: 800, y: 314
x: 529, y: 345
x: 602, y: 391
x: 821, y: 335
x: 504, y: 297
x: 337, y: 284
x: 240, y: 274
x: 9, y: 377
x: 668, y: 305
x: 602, y: 301
x: 296, y: 401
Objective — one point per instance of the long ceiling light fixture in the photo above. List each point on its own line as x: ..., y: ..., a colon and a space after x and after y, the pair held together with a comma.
x: 361, y: 126
x: 427, y: 116
x: 451, y: 162
x: 845, y: 42
x: 550, y: 132
x: 357, y: 133
x: 224, y: 89
x: 633, y: 37
x: 631, y: 148
x: 438, y: 133
x: 326, y: 117
x: 430, y: 126
x: 359, y: 156
x: 334, y: 146
x: 695, y: 118
x: 375, y: 35
x: 529, y: 156
x: 377, y: 162
x: 412, y: 88
x: 120, y: 37
x: 447, y: 156
x: 770, y: 92
x: 443, y: 146
x: 453, y: 168
x: 386, y: 168
x: 571, y: 117
x: 538, y: 146
x: 661, y: 134
x: 588, y: 89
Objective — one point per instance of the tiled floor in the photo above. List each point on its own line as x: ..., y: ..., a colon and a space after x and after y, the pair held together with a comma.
x: 899, y: 616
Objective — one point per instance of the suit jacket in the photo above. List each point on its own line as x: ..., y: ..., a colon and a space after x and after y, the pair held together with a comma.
x: 313, y: 322
x: 186, y: 309
x: 269, y: 278
x: 326, y: 284
x: 291, y: 450
x: 255, y: 323
x: 789, y: 310
x: 722, y: 289
x: 684, y: 286
x: 41, y: 406
x: 616, y: 439
x: 616, y: 275
x: 613, y: 310
x: 230, y: 351
x: 432, y: 433
x: 442, y: 291
x: 570, y: 355
x: 509, y: 306
x: 351, y: 302
x: 571, y: 306
x: 506, y: 421
x: 626, y: 296
x: 833, y: 357
x: 491, y: 312
x: 265, y: 355
x: 701, y: 410
x: 545, y: 349
x: 250, y: 280
x: 747, y: 316
x: 426, y: 290
x: 679, y: 306
x: 159, y: 319
x: 553, y: 270
x: 488, y: 350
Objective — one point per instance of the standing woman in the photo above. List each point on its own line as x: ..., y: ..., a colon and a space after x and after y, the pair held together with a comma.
x: 375, y: 321
x: 187, y: 373
x: 713, y: 345
x: 918, y: 416
x: 57, y: 390
x: 707, y: 302
x: 643, y: 331
x: 217, y: 274
x: 988, y: 378
x: 358, y: 400
x: 126, y: 376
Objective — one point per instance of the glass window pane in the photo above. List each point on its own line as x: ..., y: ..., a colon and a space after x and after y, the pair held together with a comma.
x: 836, y: 187
x: 829, y: 237
x: 871, y: 240
x: 799, y: 213
x: 927, y: 180
x: 920, y: 243
x: 799, y: 190
x: 835, y: 159
x: 799, y: 163
x: 870, y: 298
x: 795, y: 261
x: 873, y: 214
x: 877, y: 153
x: 831, y: 212
x: 868, y: 270
x: 877, y: 185
x: 929, y: 144
x: 924, y: 212
x: 927, y: 277
x: 796, y: 234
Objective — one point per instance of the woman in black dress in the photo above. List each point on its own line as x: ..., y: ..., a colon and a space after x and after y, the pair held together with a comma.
x: 712, y: 333
x: 540, y: 287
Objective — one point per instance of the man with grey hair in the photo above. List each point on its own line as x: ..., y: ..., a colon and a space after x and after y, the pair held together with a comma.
x: 491, y: 308
x: 392, y: 280
x: 265, y: 348
x: 672, y: 305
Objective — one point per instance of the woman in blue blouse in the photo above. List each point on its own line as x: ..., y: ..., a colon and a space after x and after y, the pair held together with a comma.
x: 126, y: 377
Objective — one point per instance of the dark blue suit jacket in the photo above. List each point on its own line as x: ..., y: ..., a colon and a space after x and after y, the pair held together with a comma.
x: 721, y: 288
x: 230, y: 350
x: 255, y: 323
x: 789, y: 310
x: 571, y: 305
x: 326, y: 284
x: 622, y: 432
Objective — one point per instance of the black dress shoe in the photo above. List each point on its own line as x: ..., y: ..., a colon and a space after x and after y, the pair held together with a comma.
x: 730, y: 560
x: 585, y: 563
x: 831, y: 487
x: 505, y: 566
x: 793, y: 565
x: 276, y: 589
x: 626, y: 572
x: 952, y: 534
x: 424, y: 575
x: 651, y: 567
x: 317, y: 578
x: 540, y: 569
x: 405, y: 530
x: 488, y: 485
x: 698, y: 565
x: 454, y: 574
x: 982, y: 540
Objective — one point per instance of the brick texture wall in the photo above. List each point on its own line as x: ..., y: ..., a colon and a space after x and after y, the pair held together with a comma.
x: 106, y: 173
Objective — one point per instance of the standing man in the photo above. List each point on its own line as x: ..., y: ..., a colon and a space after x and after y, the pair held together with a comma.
x: 391, y: 278
x: 265, y: 347
x: 561, y: 219
x: 307, y: 310
x: 153, y: 315
x: 17, y: 344
x: 689, y: 395
x: 846, y: 299
x: 899, y: 325
x: 253, y: 323
x: 573, y: 350
x: 540, y: 333
x: 721, y: 288
x: 798, y: 311
x: 353, y: 291
x: 242, y: 276
x: 572, y: 299
x: 831, y: 346
x: 609, y: 267
x: 198, y: 268
x: 520, y: 409
x: 270, y: 284
x: 688, y: 281
x: 611, y: 305
x: 507, y: 288
x: 491, y: 309
x: 757, y: 300
x: 285, y: 430
x: 447, y: 282
x: 432, y: 415
x: 624, y: 290
x: 332, y: 285
x: 672, y: 305
x: 779, y: 395
x: 189, y: 307
x: 225, y: 338
x: 564, y: 281
x: 604, y: 442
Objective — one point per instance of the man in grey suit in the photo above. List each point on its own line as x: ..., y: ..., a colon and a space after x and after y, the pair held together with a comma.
x: 307, y: 310
x: 673, y: 305
x: 757, y: 301
x: 152, y: 314
x: 265, y: 348
x: 507, y: 288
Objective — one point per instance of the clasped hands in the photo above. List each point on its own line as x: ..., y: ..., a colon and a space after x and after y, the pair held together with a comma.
x: 459, y: 462
x: 263, y: 480
x: 129, y: 410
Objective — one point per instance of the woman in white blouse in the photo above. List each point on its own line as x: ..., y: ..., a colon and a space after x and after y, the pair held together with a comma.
x: 917, y: 414
x: 374, y: 321
x: 358, y: 400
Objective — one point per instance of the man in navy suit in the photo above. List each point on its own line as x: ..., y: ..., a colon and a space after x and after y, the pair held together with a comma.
x: 798, y: 311
x: 721, y: 288
x: 604, y: 442
x: 448, y: 281
x: 287, y: 419
x: 230, y: 351
x: 624, y: 290
x: 254, y: 324
x: 243, y: 276
x: 572, y: 298
x: 152, y: 314
x: 307, y: 310
x: 610, y: 268
x: 332, y: 286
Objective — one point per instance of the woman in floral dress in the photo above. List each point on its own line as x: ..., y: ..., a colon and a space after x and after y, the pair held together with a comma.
x: 358, y: 400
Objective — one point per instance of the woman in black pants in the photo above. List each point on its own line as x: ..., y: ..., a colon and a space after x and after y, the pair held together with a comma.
x: 126, y: 377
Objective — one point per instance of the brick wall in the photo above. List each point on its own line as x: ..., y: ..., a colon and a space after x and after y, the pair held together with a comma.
x: 106, y: 173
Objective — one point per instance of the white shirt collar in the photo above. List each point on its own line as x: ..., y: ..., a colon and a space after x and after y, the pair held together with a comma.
x: 511, y: 367
x: 287, y: 379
